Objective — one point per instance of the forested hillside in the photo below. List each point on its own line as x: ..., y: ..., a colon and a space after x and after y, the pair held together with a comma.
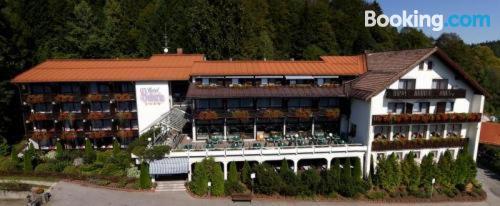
x: 32, y: 31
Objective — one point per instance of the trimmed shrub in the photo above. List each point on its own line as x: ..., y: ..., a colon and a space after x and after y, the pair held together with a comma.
x: 217, y: 178
x: 348, y: 184
x: 145, y: 179
x: 290, y: 182
x: 89, y: 155
x: 28, y: 159
x: 199, y: 182
x: 310, y: 181
x: 8, y: 165
x: 233, y: 184
x: 45, y: 168
x: 59, y: 151
x: 357, y: 173
x: 245, y: 174
x: 266, y: 180
x: 4, y: 147
x: 428, y: 171
x: 133, y: 172
x: 71, y: 170
x: 112, y: 170
x: 410, y: 173
x: 445, y: 173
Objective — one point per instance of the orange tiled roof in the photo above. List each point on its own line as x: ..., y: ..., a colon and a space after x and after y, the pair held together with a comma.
x: 345, y: 65
x: 181, y: 67
x: 158, y: 67
x: 490, y: 133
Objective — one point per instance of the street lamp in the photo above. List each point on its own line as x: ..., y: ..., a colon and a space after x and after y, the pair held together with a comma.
x: 252, y: 176
x: 209, y: 185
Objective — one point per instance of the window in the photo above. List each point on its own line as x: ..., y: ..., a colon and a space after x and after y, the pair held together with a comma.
x: 70, y: 89
x: 452, y: 152
x: 453, y: 130
x: 436, y: 130
x: 380, y: 156
x: 43, y: 108
x: 298, y: 102
x: 269, y: 102
x: 417, y: 154
x: 239, y: 103
x: 126, y: 107
x: 72, y: 107
x: 435, y: 154
x: 129, y: 124
x: 401, y: 132
x: 209, y: 103
x: 421, y: 66
x: 104, y: 124
x: 205, y: 81
x: 320, y: 81
x: 99, y: 88
x: 406, y: 84
x: 430, y: 64
x: 99, y: 106
x: 127, y: 87
x: 328, y: 102
x: 381, y: 132
x: 396, y: 107
x: 440, y: 84
x: 353, y: 130
x: 421, y: 107
x: 418, y: 131
x: 264, y: 81
x: 76, y: 125
x: 40, y: 89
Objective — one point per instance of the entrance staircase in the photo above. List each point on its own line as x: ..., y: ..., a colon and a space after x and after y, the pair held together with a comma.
x: 169, y: 127
x: 170, y: 186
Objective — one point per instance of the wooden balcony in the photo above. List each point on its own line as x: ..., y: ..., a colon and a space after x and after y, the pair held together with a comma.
x: 384, y: 145
x: 424, y: 93
x: 425, y: 118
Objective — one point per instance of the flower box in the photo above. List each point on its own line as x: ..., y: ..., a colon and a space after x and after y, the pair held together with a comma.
x: 383, y: 145
x: 125, y: 115
x: 96, y: 115
x: 69, y: 135
x: 38, y: 117
x: 426, y: 118
x: 35, y: 98
x: 272, y: 114
x: 207, y: 115
x: 64, y: 98
x: 302, y: 113
x: 40, y: 135
x: 94, y: 97
x: 66, y: 116
x: 123, y: 97
x: 240, y: 114
x: 99, y: 134
x: 332, y: 113
x: 125, y: 134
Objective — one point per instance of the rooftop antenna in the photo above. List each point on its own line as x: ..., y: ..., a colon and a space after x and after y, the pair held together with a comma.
x: 165, y: 38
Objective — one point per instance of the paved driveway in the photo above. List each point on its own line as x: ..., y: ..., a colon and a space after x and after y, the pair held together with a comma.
x: 72, y: 194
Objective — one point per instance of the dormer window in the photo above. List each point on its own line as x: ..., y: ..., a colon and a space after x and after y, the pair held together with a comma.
x: 421, y: 66
x: 440, y: 84
x: 406, y: 84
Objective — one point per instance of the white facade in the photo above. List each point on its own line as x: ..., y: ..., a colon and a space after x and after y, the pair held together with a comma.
x: 153, y: 100
x: 362, y: 111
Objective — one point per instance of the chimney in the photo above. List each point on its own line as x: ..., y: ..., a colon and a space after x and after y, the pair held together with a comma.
x: 179, y: 50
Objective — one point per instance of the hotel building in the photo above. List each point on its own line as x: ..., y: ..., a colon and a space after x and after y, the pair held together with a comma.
x: 364, y: 106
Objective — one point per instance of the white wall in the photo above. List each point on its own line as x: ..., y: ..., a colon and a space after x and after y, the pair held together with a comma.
x: 424, y: 81
x: 153, y: 100
x: 361, y: 117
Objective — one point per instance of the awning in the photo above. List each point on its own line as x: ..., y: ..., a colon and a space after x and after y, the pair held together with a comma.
x: 169, y: 166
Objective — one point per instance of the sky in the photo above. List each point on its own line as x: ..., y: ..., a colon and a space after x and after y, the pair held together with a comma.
x: 448, y: 7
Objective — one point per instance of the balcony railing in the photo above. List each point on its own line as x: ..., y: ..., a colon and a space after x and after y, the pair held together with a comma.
x: 425, y: 118
x: 383, y: 145
x: 61, y: 98
x: 424, y: 93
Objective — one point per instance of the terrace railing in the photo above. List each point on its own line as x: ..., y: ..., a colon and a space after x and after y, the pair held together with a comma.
x: 424, y: 93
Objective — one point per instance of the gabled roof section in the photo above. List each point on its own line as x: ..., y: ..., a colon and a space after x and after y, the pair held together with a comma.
x: 384, y: 68
x: 158, y: 67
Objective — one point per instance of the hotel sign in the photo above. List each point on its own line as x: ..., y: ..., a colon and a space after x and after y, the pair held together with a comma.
x: 151, y: 96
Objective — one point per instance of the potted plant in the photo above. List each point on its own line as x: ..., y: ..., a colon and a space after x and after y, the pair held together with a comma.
x: 40, y: 135
x: 98, y: 134
x: 125, y: 134
x: 66, y: 116
x: 38, y: 117
x: 68, y: 135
